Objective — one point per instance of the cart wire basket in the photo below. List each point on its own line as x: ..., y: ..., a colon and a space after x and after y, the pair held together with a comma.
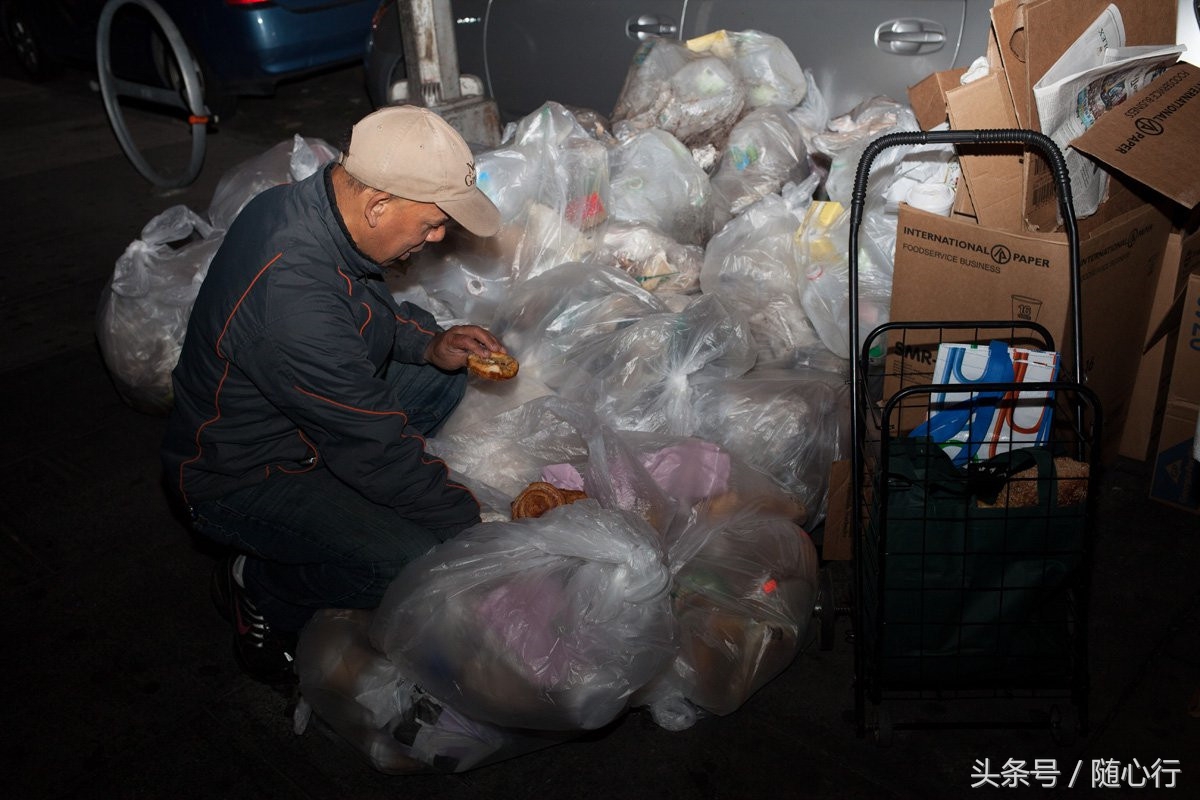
x: 975, y: 450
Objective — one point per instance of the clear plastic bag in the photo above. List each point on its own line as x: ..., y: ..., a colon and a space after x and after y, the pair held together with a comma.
x: 790, y: 424
x: 765, y: 150
x: 765, y: 64
x: 544, y: 318
x: 363, y: 698
x: 144, y: 307
x: 652, y: 258
x: 695, y: 97
x: 743, y: 603
x: 499, y: 456
x: 751, y: 264
x: 287, y: 162
x: 642, y: 376
x: 821, y: 244
x: 548, y: 623
x: 656, y: 182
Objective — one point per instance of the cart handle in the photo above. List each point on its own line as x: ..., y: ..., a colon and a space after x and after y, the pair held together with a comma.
x: 1032, y: 139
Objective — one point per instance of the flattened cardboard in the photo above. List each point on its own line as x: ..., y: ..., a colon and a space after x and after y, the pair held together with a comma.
x: 946, y: 269
x: 1152, y: 138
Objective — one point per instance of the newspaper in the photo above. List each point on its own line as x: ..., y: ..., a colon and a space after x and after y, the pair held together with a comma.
x: 1095, y: 74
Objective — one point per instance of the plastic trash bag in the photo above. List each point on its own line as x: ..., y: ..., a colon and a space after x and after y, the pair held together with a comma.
x: 549, y: 623
x: 790, y: 424
x: 744, y: 603
x: 642, y: 376
x: 655, y: 181
x: 287, y: 162
x: 497, y: 457
x: 765, y: 150
x: 652, y: 258
x: 765, y: 64
x: 695, y: 97
x: 144, y: 307
x: 566, y: 307
x: 751, y: 264
x: 821, y: 251
x: 363, y: 698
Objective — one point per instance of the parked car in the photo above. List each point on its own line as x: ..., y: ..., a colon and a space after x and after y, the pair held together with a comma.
x: 578, y: 53
x: 243, y: 47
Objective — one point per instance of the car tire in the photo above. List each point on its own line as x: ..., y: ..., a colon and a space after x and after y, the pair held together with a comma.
x: 22, y: 36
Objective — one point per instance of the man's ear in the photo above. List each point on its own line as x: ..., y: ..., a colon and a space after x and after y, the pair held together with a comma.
x: 376, y: 206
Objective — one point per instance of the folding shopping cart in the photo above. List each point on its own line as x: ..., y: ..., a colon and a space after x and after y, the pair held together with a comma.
x: 972, y: 551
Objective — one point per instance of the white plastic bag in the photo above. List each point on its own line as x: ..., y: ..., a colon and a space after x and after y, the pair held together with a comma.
x: 548, y: 623
x: 144, y: 307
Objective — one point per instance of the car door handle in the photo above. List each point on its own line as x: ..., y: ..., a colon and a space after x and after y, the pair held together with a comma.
x: 648, y: 25
x: 910, y: 36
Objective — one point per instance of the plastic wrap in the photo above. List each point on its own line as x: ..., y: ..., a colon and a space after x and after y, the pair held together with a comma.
x: 365, y: 700
x: 642, y: 376
x: 791, y: 424
x: 656, y: 182
x: 549, y: 623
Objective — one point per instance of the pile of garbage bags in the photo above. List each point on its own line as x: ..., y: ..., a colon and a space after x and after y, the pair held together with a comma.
x: 681, y: 584
x: 674, y: 281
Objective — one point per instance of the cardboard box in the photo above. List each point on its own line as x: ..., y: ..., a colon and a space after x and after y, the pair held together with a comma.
x: 982, y: 273
x: 1176, y: 477
x: 928, y: 97
x: 1148, y: 396
x: 993, y: 175
x: 1031, y: 35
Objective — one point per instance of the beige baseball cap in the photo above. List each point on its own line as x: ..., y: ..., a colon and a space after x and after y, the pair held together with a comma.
x: 411, y: 152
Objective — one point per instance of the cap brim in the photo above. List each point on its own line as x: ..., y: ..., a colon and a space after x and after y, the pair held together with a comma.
x: 474, y: 212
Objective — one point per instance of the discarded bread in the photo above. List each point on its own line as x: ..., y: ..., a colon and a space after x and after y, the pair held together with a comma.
x: 495, y: 367
x: 539, y: 497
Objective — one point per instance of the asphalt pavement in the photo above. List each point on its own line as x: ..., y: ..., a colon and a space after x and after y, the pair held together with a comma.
x: 118, y: 680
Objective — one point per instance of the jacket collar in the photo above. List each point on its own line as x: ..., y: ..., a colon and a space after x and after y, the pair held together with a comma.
x: 356, y: 261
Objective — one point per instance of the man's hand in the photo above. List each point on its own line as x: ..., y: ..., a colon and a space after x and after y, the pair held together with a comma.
x: 449, y: 349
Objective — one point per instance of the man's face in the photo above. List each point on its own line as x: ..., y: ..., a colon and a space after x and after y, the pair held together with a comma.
x: 404, y: 228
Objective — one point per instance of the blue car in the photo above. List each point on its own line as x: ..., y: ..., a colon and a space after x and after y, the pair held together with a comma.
x: 243, y: 47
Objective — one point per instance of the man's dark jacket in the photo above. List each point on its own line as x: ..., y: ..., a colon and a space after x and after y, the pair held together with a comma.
x: 282, y: 368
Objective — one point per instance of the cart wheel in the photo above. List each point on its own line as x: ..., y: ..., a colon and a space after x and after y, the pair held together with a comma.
x: 1064, y: 725
x: 190, y: 100
x: 882, y: 726
x: 825, y: 610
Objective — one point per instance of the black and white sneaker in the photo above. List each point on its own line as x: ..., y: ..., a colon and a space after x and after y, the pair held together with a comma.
x: 265, y: 655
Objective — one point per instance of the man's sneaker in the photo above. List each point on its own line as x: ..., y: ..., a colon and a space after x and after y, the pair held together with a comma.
x: 263, y: 654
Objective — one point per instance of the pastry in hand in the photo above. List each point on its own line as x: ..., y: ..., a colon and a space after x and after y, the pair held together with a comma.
x: 494, y: 367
